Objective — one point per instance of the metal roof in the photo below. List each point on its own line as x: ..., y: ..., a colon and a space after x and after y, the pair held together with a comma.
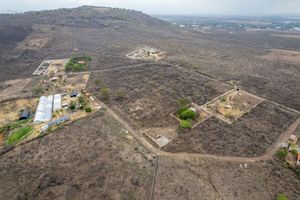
x: 25, y: 114
x: 59, y: 121
x: 73, y: 94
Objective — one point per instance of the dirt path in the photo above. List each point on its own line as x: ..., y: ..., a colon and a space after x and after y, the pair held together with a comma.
x: 111, y: 69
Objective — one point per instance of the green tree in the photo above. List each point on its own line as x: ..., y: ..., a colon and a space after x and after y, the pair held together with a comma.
x: 294, y: 152
x: 281, y: 154
x: 98, y: 82
x: 185, y: 124
x: 188, y: 114
x: 120, y: 94
x: 81, y: 100
x: 88, y: 109
x: 72, y: 105
x: 104, y: 92
x: 281, y: 197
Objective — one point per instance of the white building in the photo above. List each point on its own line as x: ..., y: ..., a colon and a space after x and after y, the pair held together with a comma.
x: 39, y: 114
x: 57, y: 102
x: 44, y: 110
x: 48, y: 109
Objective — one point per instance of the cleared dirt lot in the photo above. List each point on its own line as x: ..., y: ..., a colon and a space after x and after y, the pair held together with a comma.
x: 249, y: 136
x: 14, y: 88
x: 152, y: 92
x: 89, y: 159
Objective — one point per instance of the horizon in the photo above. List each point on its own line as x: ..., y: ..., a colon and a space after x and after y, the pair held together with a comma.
x: 253, y: 8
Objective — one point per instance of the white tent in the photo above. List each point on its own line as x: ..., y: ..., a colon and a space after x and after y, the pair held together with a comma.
x: 57, y: 102
x: 48, y: 109
x: 39, y: 114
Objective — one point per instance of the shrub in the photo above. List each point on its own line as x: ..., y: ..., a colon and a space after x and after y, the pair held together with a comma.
x: 88, y: 109
x: 37, y: 91
x: 120, y: 94
x: 281, y: 197
x: 222, y: 98
x: 298, y: 171
x: 72, y: 105
x: 183, y: 102
x: 188, y: 114
x: 104, y: 92
x: 294, y: 152
x: 73, y: 64
x: 180, y: 110
x: 81, y: 99
x: 281, y: 154
x: 98, y: 82
x: 185, y: 124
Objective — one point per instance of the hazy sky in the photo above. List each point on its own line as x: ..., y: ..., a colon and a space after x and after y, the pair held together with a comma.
x: 180, y: 7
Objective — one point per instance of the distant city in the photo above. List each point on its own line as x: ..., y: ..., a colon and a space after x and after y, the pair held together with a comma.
x: 238, y: 23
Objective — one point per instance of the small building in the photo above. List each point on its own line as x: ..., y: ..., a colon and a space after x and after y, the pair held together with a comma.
x: 73, y: 94
x: 24, y: 115
x: 298, y: 159
x: 54, y: 79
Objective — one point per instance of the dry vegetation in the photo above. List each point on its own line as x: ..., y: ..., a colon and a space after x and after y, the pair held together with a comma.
x: 277, y: 55
x: 108, y: 165
x: 249, y: 136
x: 97, y: 158
x: 151, y: 99
x: 10, y: 110
x: 231, y: 106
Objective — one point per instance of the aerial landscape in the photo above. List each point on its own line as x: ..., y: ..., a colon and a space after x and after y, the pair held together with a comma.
x: 116, y: 104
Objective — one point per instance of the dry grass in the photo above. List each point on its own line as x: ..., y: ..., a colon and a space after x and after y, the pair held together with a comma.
x: 283, y: 55
x: 77, y: 82
x: 286, y: 36
x: 13, y: 88
x: 10, y: 110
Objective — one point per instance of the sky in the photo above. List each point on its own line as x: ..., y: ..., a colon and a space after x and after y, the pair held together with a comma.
x: 167, y: 7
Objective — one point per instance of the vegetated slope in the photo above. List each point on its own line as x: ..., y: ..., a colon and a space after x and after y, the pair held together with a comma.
x: 89, y: 159
x: 109, y: 34
x: 105, y: 31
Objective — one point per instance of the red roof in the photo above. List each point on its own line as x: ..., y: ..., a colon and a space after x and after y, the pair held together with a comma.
x: 298, y: 156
